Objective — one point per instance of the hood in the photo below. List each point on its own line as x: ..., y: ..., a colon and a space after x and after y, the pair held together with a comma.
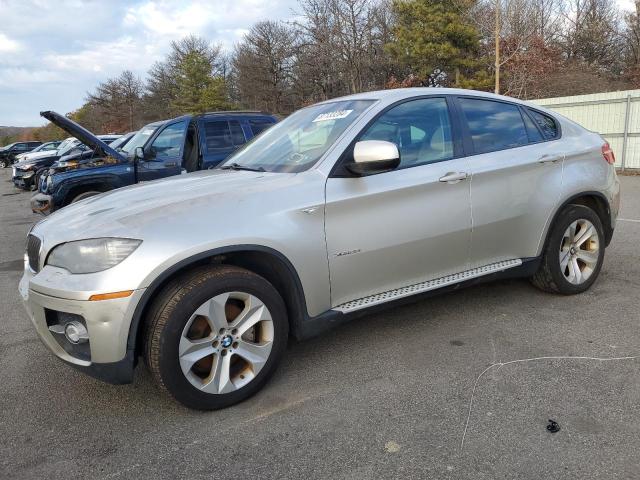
x: 42, y: 161
x: 82, y: 134
x: 30, y: 157
x: 143, y: 208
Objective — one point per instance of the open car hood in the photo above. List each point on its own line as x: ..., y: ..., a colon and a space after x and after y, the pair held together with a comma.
x: 82, y: 134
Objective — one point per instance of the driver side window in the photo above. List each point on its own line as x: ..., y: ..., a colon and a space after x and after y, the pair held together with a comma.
x: 420, y: 128
x: 168, y: 144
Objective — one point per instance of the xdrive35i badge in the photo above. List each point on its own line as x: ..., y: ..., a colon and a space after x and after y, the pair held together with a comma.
x: 348, y: 252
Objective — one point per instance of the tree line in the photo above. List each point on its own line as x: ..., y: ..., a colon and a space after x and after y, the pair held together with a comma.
x: 522, y: 48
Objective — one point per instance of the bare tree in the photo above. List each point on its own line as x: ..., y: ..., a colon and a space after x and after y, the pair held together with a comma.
x: 119, y: 100
x: 263, y: 66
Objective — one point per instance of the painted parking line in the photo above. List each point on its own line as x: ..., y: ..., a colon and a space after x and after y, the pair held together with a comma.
x: 629, y: 220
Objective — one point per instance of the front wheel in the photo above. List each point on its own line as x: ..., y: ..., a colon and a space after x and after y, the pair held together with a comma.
x: 3, y: 164
x: 215, y: 335
x: 84, y: 195
x: 573, y: 256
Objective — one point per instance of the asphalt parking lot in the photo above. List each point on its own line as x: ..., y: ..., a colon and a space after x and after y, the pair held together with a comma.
x: 457, y: 386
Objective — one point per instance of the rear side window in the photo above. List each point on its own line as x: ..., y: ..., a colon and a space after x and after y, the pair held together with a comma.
x: 547, y: 124
x: 259, y: 125
x: 493, y: 125
x: 532, y: 130
x: 237, y: 135
x: 217, y: 135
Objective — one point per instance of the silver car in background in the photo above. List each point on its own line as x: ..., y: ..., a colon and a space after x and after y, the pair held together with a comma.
x: 348, y: 204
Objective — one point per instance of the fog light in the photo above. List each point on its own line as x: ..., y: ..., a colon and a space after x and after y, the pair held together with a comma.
x: 76, y: 333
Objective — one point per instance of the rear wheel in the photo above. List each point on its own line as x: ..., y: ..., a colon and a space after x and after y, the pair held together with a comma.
x: 573, y: 256
x: 3, y: 164
x: 215, y: 336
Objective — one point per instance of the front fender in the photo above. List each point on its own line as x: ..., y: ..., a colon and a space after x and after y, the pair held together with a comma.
x: 65, y: 182
x: 153, y: 286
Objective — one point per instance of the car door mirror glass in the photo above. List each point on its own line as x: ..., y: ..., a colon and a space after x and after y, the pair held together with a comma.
x: 374, y: 156
x: 139, y: 153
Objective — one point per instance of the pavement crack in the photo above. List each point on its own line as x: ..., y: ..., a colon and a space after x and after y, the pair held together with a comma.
x: 525, y: 360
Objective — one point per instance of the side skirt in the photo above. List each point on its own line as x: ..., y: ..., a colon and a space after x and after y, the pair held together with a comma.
x: 344, y: 313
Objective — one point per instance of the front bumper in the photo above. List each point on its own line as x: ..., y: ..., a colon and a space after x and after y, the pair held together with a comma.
x: 22, y: 178
x: 107, y: 322
x: 42, y: 203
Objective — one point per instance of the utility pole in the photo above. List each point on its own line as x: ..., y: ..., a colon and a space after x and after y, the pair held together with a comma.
x: 497, y: 41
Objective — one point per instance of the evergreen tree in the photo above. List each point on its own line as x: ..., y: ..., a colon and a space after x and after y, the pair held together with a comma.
x: 438, y: 43
x: 197, y: 89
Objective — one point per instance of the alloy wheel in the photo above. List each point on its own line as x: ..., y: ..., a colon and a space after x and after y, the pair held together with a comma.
x: 226, y: 342
x: 579, y: 251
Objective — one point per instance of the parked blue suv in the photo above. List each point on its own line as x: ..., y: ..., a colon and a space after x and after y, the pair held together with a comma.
x: 160, y: 149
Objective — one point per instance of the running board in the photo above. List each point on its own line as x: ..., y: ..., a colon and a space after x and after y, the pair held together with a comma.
x: 421, y: 287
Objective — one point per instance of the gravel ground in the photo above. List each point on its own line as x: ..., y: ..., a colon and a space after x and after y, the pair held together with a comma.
x: 448, y: 387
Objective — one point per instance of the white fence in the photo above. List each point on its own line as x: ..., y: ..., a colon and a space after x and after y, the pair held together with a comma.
x: 614, y: 115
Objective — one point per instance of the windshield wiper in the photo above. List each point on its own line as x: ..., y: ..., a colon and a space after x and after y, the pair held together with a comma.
x: 237, y: 166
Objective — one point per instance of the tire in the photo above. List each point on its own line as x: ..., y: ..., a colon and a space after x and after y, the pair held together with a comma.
x: 3, y: 164
x: 556, y: 278
x: 84, y: 195
x: 172, y: 320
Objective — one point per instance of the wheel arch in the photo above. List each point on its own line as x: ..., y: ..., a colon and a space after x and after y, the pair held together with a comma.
x: 592, y: 199
x: 75, y: 190
x: 264, y: 261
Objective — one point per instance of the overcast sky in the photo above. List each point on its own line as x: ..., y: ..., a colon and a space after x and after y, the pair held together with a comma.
x: 53, y: 51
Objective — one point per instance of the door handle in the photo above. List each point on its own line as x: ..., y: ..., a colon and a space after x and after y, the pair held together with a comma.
x: 550, y: 158
x: 453, y: 177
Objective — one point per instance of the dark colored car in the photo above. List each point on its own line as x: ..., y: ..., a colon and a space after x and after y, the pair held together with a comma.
x: 26, y: 173
x: 160, y: 149
x: 9, y: 152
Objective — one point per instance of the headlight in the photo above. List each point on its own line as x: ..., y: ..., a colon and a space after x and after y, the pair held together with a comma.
x: 93, y: 255
x: 28, y: 166
x: 68, y: 164
x: 49, y: 183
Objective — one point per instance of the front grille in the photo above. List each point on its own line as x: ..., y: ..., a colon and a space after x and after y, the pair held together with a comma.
x: 33, y: 252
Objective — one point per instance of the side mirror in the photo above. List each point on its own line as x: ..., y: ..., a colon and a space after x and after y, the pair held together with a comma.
x: 138, y: 153
x: 374, y: 156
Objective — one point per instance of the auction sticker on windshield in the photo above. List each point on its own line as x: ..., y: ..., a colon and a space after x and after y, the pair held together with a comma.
x: 323, y: 117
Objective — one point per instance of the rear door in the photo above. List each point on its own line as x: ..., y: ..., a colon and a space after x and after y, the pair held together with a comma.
x: 516, y: 178
x: 219, y: 139
x: 163, y: 155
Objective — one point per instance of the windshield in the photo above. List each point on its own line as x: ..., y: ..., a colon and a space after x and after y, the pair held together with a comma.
x: 299, y: 141
x: 48, y: 146
x: 67, y: 146
x: 63, y: 145
x: 39, y: 148
x: 120, y: 142
x: 140, y: 138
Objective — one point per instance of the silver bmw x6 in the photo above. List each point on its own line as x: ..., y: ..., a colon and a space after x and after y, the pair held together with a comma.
x: 346, y: 205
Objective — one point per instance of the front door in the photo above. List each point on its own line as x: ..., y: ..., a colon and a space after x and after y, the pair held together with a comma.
x: 163, y: 156
x: 406, y: 226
